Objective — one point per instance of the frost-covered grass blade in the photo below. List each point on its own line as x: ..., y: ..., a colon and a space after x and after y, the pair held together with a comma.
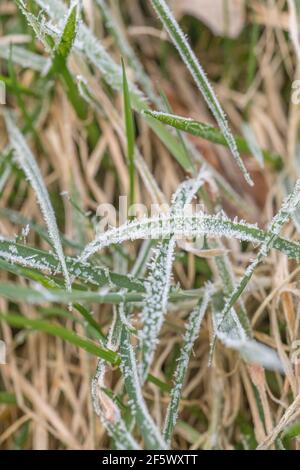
x: 182, y: 225
x: 285, y: 213
x: 191, y: 334
x: 232, y: 334
x: 152, y: 436
x: 239, y: 342
x: 159, y: 280
x: 67, y: 39
x: 108, y: 410
x: 155, y: 303
x: 28, y: 164
x: 23, y: 57
x: 46, y: 262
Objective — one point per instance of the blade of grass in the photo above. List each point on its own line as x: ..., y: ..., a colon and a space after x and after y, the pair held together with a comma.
x: 159, y: 280
x: 7, y: 398
x: 118, y: 324
x: 109, y: 412
x: 23, y: 90
x: 211, y: 134
x: 31, y: 170
x: 94, y: 51
x: 38, y: 25
x: 150, y: 432
x: 191, y: 334
x: 40, y: 295
x: 28, y: 273
x: 59, y: 53
x: 182, y: 226
x: 19, y: 219
x: 233, y: 335
x: 60, y: 57
x: 185, y: 144
x: 67, y: 39
x: 90, y: 321
x: 18, y: 321
x: 227, y: 277
x: 101, y: 397
x: 112, y: 74
x: 29, y: 126
x: 46, y: 262
x: 155, y: 303
x: 285, y: 213
x: 130, y: 133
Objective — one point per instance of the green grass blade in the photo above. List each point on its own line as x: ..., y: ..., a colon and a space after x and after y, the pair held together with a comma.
x: 19, y: 219
x: 186, y: 145
x: 109, y: 412
x: 41, y: 31
x: 211, y: 134
x: 11, y: 84
x: 27, y: 273
x: 182, y: 225
x: 59, y: 53
x: 67, y: 39
x: 227, y: 276
x: 164, y: 387
x: 18, y: 321
x: 46, y: 262
x: 115, y: 425
x: 155, y: 303
x: 285, y: 213
x: 60, y: 60
x: 90, y: 321
x: 130, y: 133
x: 7, y: 398
x: 28, y: 121
x: 40, y: 295
x: 191, y: 334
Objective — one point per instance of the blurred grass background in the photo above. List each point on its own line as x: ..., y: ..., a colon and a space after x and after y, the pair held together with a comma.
x: 249, y: 56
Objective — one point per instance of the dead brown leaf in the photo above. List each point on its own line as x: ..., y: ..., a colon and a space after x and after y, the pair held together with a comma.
x: 224, y: 18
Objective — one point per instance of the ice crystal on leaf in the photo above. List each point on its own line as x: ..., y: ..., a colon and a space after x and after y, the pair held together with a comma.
x: 185, y: 225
